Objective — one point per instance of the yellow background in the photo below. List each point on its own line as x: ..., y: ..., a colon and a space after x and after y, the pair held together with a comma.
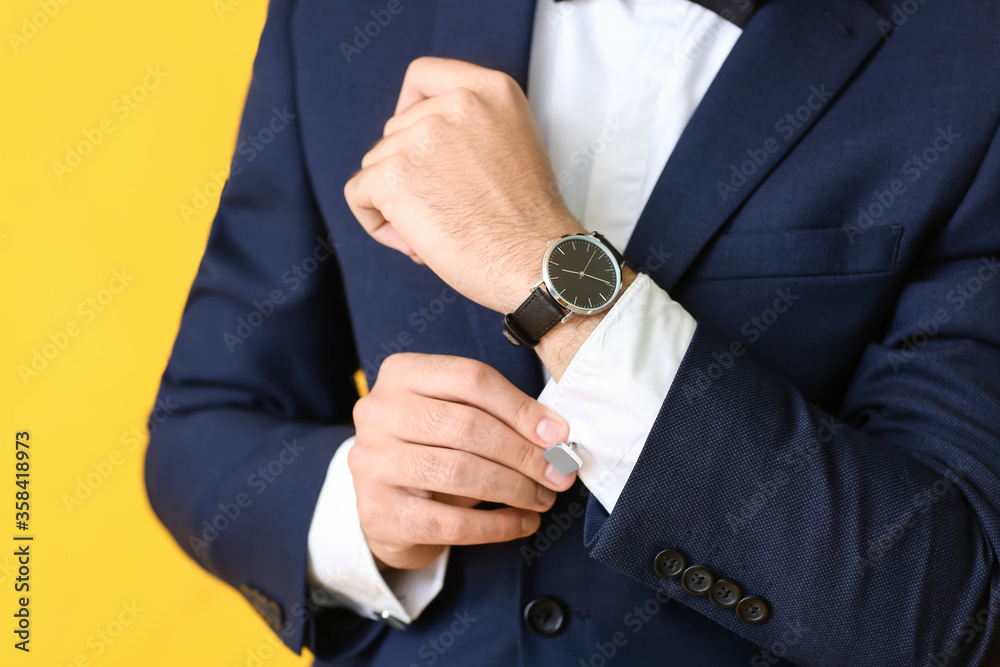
x: 62, y: 237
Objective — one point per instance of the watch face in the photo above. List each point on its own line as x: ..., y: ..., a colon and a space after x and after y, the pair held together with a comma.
x: 581, y: 273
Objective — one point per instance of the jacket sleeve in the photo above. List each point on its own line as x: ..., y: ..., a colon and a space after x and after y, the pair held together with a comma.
x: 872, y: 533
x: 259, y: 381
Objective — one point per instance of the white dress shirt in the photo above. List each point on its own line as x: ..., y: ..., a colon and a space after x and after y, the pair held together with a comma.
x: 611, y: 84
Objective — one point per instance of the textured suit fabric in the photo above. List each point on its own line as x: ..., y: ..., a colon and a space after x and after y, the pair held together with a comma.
x: 831, y: 441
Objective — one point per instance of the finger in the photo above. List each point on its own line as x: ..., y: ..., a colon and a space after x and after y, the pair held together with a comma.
x: 453, y: 106
x: 361, y: 192
x: 404, y: 557
x: 428, y: 77
x: 432, y: 421
x: 387, y: 147
x: 457, y: 501
x: 419, y: 521
x: 458, y: 473
x: 413, y: 143
x: 461, y: 380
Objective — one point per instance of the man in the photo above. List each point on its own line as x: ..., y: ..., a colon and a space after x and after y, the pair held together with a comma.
x: 785, y: 402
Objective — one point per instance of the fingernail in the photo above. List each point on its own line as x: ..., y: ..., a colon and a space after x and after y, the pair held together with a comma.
x: 528, y: 523
x: 548, y: 431
x: 558, y: 479
x: 546, y: 496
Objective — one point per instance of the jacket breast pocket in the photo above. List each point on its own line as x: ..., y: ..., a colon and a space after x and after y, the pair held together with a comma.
x: 801, y: 253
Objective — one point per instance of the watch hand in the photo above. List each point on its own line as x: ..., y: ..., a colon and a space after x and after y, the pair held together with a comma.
x: 584, y: 272
x: 596, y: 278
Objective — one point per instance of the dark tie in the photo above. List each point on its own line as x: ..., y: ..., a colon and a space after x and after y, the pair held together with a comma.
x: 737, y: 12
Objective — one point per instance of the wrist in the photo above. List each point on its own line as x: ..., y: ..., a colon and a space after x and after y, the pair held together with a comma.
x: 526, y: 263
x: 558, y: 347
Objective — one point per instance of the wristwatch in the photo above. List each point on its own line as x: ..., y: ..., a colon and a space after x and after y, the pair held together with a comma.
x: 581, y: 273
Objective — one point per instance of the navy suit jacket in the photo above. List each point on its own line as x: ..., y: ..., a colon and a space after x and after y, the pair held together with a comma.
x: 831, y: 441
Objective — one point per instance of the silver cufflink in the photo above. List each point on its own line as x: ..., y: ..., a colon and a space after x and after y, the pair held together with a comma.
x: 563, y: 458
x: 392, y: 621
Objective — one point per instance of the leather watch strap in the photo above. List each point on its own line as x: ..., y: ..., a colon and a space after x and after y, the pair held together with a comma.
x: 533, y: 318
x: 619, y: 259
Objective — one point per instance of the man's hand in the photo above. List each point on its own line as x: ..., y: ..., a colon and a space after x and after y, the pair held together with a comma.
x: 461, y: 182
x: 436, y: 436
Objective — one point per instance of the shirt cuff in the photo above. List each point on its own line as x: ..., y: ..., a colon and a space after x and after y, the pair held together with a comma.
x: 341, y: 562
x: 614, y: 387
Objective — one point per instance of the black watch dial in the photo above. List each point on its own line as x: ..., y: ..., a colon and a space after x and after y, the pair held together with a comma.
x: 581, y: 273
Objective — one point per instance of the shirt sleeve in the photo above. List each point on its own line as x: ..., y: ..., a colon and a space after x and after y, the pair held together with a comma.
x: 613, y: 389
x: 341, y: 562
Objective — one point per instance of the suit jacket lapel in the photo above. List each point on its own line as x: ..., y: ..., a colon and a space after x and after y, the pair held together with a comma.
x: 783, y: 73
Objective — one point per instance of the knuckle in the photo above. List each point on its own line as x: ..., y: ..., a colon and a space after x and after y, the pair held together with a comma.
x: 491, y: 486
x: 450, y: 528
x: 355, y: 459
x: 497, y: 80
x: 473, y: 376
x: 522, y: 412
x: 386, y: 369
x: 464, y: 101
x: 508, y: 83
x: 426, y: 529
x: 399, y: 164
x: 524, y: 458
x: 462, y: 424
x: 450, y: 469
x: 431, y: 125
x: 367, y: 512
x: 362, y: 411
x: 431, y: 471
x: 410, y: 463
x: 417, y: 63
x: 393, y: 366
